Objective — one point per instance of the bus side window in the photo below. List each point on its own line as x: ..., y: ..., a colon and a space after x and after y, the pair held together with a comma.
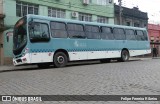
x: 140, y: 35
x: 119, y: 33
x: 39, y: 32
x: 107, y: 33
x: 92, y: 32
x: 130, y: 34
x: 58, y: 30
x: 45, y: 30
x: 36, y: 30
x: 145, y: 35
x: 75, y: 31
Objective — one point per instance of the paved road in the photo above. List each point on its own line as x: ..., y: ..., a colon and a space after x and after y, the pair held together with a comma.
x: 137, y: 77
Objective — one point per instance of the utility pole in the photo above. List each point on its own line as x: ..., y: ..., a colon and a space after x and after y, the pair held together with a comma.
x: 120, y: 12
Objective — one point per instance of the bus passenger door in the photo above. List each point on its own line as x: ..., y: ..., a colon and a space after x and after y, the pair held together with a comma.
x: 143, y: 43
x: 40, y: 45
x: 131, y: 41
x: 107, y: 43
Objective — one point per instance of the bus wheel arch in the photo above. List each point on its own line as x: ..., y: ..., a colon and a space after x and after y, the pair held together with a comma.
x: 60, y: 58
x: 125, y: 55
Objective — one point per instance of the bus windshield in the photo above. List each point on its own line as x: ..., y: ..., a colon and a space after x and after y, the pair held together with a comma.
x: 20, y: 34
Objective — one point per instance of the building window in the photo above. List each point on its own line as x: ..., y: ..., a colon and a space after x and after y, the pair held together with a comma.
x: 102, y: 19
x: 58, y: 13
x: 152, y: 38
x: 85, y: 17
x: 104, y: 2
x: 128, y: 23
x: 157, y: 39
x: 23, y: 9
x: 136, y: 25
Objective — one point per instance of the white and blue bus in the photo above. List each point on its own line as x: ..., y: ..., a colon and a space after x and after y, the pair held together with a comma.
x: 46, y: 40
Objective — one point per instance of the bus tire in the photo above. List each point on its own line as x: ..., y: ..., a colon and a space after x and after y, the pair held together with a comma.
x: 43, y: 65
x: 105, y: 60
x: 60, y: 60
x: 124, y: 56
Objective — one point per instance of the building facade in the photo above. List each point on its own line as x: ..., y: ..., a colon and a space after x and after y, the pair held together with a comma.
x: 1, y: 29
x: 131, y: 17
x: 154, y: 34
x: 84, y: 10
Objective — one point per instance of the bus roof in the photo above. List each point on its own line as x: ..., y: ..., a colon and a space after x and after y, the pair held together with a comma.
x: 81, y: 22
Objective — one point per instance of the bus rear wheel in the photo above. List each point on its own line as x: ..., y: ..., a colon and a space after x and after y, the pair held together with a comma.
x: 124, y: 56
x: 60, y: 60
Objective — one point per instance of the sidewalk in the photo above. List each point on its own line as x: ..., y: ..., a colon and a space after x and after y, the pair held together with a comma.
x: 144, y: 58
x: 12, y: 67
x: 140, y: 58
x: 155, y: 57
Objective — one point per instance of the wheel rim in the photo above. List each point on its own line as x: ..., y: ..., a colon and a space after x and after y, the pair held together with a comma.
x: 125, y: 55
x: 60, y: 59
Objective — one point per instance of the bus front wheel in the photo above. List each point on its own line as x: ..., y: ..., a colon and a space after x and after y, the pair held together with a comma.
x: 60, y: 59
x: 124, y: 56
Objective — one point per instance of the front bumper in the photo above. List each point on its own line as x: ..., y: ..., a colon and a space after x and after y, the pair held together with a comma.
x: 21, y: 60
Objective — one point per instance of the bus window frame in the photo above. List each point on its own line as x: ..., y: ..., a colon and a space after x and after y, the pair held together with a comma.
x: 76, y: 31
x: 137, y: 35
x: 37, y: 41
x: 59, y: 29
x: 145, y: 33
x: 99, y: 30
x: 111, y: 32
x: 123, y: 31
x: 134, y: 34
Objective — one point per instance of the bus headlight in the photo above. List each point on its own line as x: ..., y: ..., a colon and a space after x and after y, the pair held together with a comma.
x: 26, y: 50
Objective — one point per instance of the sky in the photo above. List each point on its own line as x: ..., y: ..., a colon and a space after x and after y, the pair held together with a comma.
x: 152, y: 7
